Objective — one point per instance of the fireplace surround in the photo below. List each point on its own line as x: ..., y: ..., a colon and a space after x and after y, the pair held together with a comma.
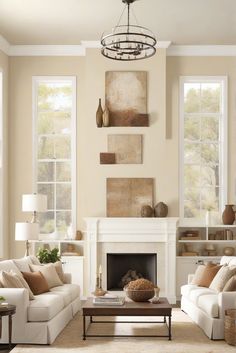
x: 133, y: 236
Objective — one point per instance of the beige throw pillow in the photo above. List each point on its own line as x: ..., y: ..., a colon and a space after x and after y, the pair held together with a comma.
x: 13, y: 280
x: 230, y: 285
x: 199, y: 273
x: 208, y: 274
x: 222, y: 277
x: 50, y: 274
x: 59, y: 269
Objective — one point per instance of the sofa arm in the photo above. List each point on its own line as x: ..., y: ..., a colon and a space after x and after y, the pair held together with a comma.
x: 226, y: 300
x: 190, y: 278
x: 67, y: 278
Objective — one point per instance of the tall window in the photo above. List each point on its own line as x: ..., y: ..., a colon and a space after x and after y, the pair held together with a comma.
x: 203, y: 139
x: 55, y: 146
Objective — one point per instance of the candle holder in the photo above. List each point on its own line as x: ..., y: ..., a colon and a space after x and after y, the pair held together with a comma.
x: 99, y: 292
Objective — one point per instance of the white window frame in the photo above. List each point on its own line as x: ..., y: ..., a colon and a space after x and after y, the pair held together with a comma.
x: 35, y: 81
x: 223, y: 138
x: 1, y: 166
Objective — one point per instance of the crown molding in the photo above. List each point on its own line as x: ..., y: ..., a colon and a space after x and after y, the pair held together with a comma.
x: 201, y: 50
x: 80, y: 50
x: 47, y: 50
x: 4, y: 45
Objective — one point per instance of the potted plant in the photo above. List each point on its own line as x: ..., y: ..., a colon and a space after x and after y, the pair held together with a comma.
x: 46, y: 256
x: 2, y: 299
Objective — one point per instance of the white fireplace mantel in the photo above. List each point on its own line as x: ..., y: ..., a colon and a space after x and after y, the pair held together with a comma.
x: 134, y: 230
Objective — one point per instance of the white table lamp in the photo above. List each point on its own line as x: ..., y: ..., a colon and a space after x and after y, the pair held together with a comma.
x: 34, y: 203
x: 25, y: 231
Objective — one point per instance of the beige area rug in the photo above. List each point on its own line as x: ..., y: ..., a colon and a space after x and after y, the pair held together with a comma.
x: 187, y: 338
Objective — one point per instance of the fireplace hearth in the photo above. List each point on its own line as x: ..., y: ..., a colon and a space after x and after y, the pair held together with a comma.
x: 122, y: 268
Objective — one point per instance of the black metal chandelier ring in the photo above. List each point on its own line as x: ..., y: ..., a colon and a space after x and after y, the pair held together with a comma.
x: 128, y: 42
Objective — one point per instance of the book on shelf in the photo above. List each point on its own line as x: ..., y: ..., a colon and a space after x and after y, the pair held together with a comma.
x: 105, y: 300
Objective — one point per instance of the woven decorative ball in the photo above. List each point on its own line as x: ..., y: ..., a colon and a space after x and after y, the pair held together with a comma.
x: 230, y: 326
x: 139, y: 295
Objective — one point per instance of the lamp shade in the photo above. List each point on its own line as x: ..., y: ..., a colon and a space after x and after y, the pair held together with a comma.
x: 34, y: 203
x: 26, y: 231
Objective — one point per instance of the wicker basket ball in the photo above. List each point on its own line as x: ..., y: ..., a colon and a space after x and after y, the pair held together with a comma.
x: 230, y: 326
x: 140, y: 290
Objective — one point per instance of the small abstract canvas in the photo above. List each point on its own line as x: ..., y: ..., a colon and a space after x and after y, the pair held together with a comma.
x: 126, y: 196
x: 126, y: 98
x: 127, y: 148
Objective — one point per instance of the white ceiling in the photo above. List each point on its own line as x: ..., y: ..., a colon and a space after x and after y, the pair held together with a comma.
x: 186, y: 22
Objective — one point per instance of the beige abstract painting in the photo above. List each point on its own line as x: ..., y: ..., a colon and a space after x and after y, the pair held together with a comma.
x: 126, y: 196
x: 126, y: 98
x: 127, y: 148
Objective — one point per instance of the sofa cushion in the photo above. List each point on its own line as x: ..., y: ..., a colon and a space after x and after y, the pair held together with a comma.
x: 9, y: 265
x: 50, y: 274
x: 23, y: 263
x: 36, y: 281
x: 45, y: 307
x: 197, y: 293
x: 187, y: 288
x: 34, y: 260
x: 209, y: 304
x: 222, y: 277
x: 65, y: 295
x: 72, y: 289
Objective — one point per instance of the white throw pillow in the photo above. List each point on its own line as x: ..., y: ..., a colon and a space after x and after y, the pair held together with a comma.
x: 50, y: 274
x: 13, y: 280
x: 222, y: 277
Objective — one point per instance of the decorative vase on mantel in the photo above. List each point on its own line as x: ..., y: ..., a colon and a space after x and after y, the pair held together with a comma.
x: 228, y: 215
x: 105, y: 117
x: 99, y: 114
x: 161, y: 210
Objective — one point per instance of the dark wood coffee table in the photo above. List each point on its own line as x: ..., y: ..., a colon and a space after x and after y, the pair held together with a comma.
x: 130, y: 308
x: 7, y: 310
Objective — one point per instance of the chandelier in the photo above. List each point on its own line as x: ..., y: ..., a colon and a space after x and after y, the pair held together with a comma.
x: 128, y: 42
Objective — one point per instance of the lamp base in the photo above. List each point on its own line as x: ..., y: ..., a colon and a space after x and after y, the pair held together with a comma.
x: 27, y: 246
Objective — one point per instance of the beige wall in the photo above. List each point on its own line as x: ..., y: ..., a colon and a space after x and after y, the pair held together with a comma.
x: 4, y: 70
x: 159, y: 154
x: 160, y: 140
x: 209, y: 66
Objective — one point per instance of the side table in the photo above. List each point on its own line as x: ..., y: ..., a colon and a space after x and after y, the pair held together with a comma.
x: 7, y: 310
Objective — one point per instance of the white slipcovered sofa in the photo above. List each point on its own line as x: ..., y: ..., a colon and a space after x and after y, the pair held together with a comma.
x: 38, y: 321
x: 207, y: 307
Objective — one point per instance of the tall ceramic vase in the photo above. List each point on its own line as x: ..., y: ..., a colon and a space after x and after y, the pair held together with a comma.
x: 105, y: 117
x: 99, y: 114
x: 228, y: 216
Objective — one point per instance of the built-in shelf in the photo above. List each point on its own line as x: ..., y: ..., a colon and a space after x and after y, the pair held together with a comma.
x: 199, y: 257
x: 207, y: 241
x: 57, y: 241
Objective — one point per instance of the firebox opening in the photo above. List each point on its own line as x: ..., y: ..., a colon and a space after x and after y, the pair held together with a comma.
x: 121, y: 268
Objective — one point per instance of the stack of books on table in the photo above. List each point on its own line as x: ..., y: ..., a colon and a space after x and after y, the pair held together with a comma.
x: 106, y: 300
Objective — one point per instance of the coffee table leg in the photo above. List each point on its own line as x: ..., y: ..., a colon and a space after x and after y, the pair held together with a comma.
x: 169, y: 328
x: 164, y: 319
x: 10, y: 330
x: 91, y: 319
x: 84, y: 327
